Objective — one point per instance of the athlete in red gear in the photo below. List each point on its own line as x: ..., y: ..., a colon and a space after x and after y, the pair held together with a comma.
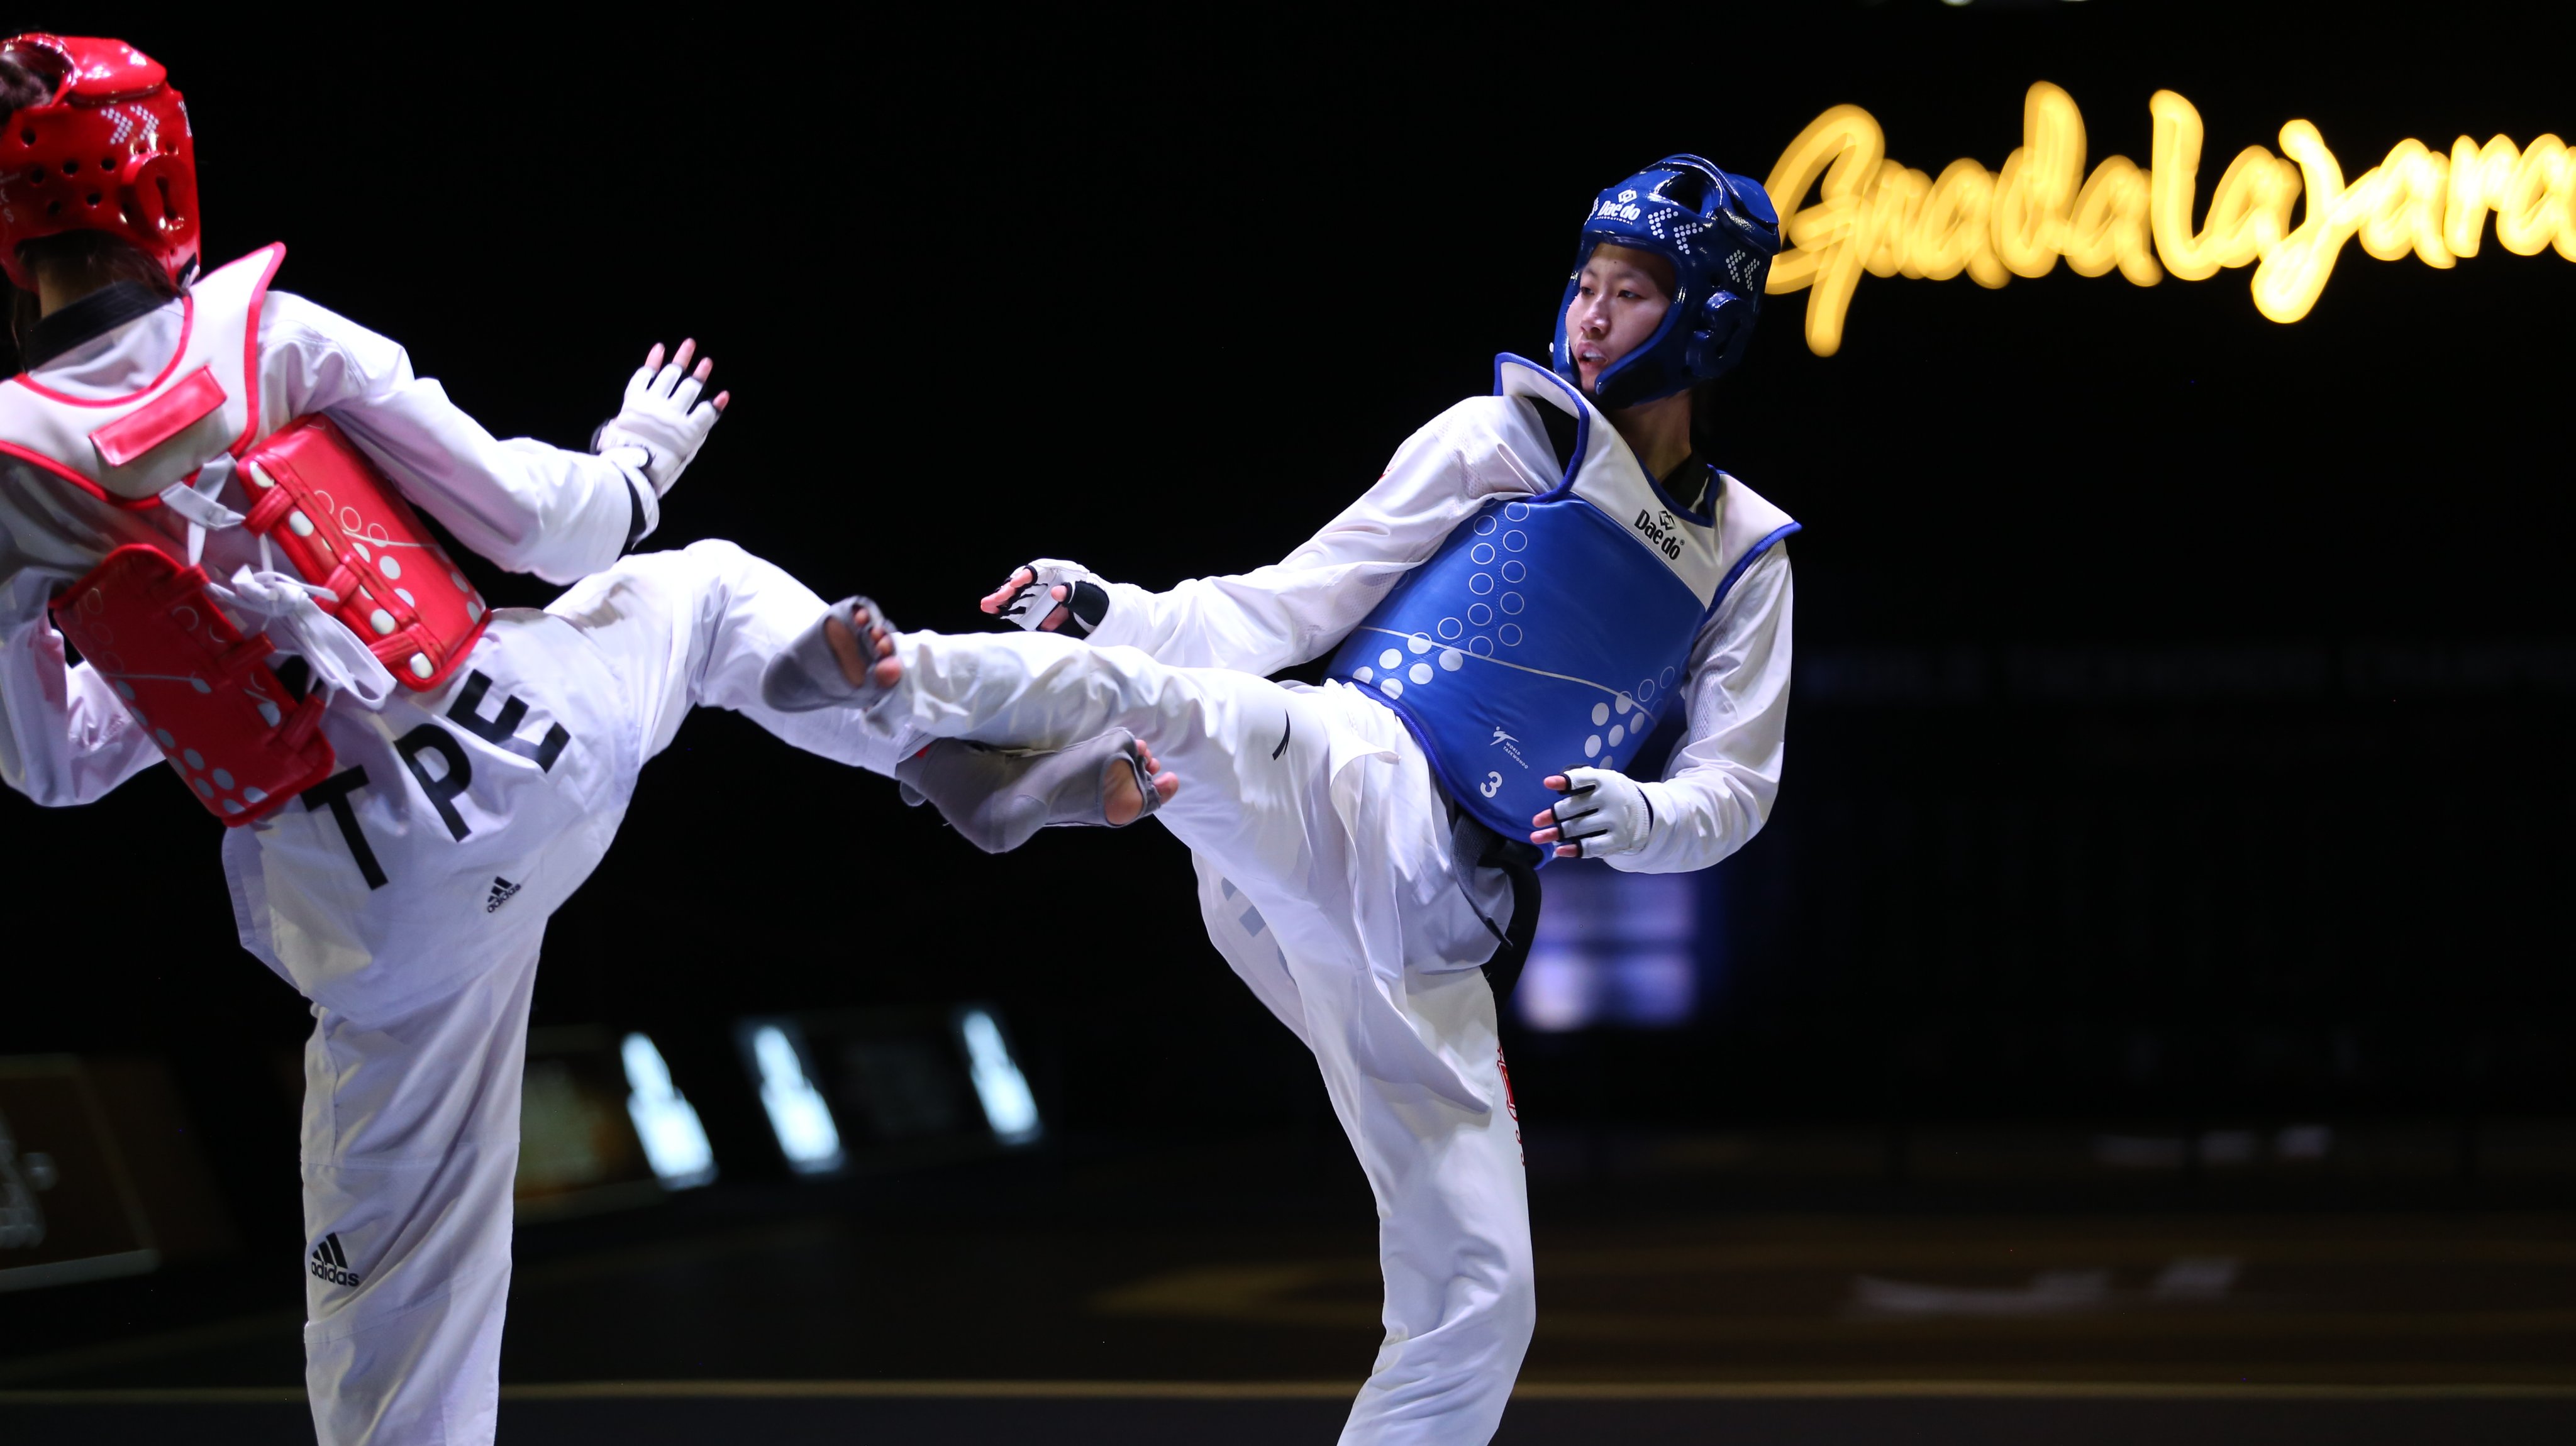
x: 209, y: 486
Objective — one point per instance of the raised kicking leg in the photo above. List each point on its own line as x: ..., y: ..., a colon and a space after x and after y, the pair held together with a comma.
x: 701, y: 627
x: 996, y: 796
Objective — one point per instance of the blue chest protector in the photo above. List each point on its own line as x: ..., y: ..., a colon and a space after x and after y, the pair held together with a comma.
x: 1552, y: 631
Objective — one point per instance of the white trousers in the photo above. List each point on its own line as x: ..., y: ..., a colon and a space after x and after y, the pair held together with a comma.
x: 407, y: 897
x: 1326, y: 880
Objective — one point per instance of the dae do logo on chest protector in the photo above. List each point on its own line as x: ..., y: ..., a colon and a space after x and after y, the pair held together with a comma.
x: 1552, y: 631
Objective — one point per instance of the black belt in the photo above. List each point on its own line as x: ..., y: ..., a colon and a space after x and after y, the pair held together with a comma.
x: 1474, y: 846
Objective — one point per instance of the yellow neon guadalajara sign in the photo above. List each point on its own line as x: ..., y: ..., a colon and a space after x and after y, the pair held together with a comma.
x: 1876, y: 215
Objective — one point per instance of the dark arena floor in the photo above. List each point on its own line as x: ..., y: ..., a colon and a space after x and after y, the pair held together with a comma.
x: 1169, y: 1414
x: 1108, y: 1301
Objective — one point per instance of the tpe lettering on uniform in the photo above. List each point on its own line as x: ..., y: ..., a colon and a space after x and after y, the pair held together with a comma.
x: 444, y: 788
x: 502, y: 728
x: 333, y: 793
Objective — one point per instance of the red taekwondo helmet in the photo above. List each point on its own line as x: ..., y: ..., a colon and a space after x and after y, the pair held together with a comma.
x: 110, y: 151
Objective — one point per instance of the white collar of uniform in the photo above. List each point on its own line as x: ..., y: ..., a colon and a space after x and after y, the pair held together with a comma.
x: 1746, y: 524
x: 1595, y: 440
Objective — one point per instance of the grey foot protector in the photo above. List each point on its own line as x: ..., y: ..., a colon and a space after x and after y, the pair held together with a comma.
x: 806, y: 676
x: 999, y: 797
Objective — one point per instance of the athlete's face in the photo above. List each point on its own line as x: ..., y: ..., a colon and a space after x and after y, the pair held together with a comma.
x: 1619, y: 299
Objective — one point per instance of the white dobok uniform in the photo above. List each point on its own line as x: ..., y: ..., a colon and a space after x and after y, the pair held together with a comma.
x: 407, y: 895
x: 1324, y: 853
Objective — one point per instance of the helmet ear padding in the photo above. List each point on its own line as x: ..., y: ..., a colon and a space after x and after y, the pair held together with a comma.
x: 1726, y: 325
x: 160, y: 195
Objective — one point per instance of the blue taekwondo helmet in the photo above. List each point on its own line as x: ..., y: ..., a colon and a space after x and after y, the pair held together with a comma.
x: 1720, y: 233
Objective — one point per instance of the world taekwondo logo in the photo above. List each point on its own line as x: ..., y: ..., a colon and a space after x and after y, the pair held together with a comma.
x: 1504, y: 741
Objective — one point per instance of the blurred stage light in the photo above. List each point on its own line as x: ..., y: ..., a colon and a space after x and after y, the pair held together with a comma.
x: 22, y: 1219
x: 100, y: 1173
x: 1612, y: 948
x: 674, y: 1142
x: 2230, y: 1147
x: 583, y: 1144
x: 798, y: 1115
x: 2141, y: 1152
x: 1008, y: 1105
x: 2303, y: 1143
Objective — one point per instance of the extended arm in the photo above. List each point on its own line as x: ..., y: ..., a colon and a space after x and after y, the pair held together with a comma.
x: 64, y: 737
x: 1718, y: 786
x: 1283, y: 614
x: 528, y: 506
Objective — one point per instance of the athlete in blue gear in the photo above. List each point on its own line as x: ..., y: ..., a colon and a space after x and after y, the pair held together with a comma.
x: 1541, y: 576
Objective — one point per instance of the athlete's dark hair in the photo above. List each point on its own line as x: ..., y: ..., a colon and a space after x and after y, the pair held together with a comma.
x: 92, y: 259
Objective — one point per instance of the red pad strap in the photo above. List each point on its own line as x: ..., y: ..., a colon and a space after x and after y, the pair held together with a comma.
x: 160, y: 419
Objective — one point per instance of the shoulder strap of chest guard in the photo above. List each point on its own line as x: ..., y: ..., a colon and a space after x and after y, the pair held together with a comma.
x: 125, y: 449
x: 1748, y: 526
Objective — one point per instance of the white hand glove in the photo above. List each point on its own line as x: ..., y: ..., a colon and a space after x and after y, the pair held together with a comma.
x: 1603, y: 813
x: 663, y: 418
x: 1052, y: 595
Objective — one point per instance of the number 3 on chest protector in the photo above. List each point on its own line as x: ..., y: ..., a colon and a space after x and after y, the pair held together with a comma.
x: 1493, y: 785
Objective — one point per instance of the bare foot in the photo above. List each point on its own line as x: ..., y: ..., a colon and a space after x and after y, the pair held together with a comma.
x: 887, y: 669
x: 1121, y: 802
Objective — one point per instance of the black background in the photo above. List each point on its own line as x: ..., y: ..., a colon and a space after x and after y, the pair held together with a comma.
x: 2182, y: 695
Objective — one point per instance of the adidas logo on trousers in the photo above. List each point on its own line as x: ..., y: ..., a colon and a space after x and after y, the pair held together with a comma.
x: 331, y: 1264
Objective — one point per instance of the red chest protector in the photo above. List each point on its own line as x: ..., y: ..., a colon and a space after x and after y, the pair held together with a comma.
x: 144, y: 617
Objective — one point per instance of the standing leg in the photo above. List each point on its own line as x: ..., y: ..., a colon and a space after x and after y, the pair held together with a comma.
x: 421, y: 969
x: 1452, y: 1194
x: 411, y: 1147
x: 1453, y: 1229
x: 412, y: 1110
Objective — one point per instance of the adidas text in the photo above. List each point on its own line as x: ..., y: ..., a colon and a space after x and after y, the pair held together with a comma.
x: 332, y: 1264
x: 502, y: 892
